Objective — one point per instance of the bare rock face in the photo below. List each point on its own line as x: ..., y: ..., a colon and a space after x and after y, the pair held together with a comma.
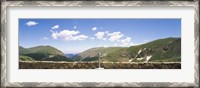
x: 143, y: 55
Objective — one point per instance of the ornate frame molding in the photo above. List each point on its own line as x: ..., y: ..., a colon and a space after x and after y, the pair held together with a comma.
x: 5, y: 4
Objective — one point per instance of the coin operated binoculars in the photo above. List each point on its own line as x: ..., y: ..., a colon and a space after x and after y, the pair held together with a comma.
x: 99, y: 57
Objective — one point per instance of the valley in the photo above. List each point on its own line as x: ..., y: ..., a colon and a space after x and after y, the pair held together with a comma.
x: 161, y: 50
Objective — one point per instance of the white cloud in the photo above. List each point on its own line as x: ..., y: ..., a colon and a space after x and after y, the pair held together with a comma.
x: 31, y: 23
x: 54, y: 34
x: 115, y: 44
x: 55, y: 27
x: 78, y: 37
x: 94, y: 28
x: 45, y: 38
x: 104, y: 39
x: 126, y: 41
x: 100, y: 35
x: 75, y: 27
x: 92, y: 38
x: 131, y: 44
x: 115, y: 36
x: 68, y: 35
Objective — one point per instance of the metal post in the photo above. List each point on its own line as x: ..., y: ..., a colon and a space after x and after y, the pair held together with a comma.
x: 99, y: 55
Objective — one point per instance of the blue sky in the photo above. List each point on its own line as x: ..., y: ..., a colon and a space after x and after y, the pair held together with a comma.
x: 77, y: 35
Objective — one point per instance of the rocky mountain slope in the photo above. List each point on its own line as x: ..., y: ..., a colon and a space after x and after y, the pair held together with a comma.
x: 161, y: 50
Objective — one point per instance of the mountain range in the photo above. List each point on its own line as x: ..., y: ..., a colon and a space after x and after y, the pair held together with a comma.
x: 42, y: 53
x: 70, y: 56
x: 161, y: 50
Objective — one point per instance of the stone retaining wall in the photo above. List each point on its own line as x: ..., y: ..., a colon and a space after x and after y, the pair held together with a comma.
x: 93, y: 65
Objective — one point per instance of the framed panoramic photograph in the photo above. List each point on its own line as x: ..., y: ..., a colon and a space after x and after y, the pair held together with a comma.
x: 100, y: 44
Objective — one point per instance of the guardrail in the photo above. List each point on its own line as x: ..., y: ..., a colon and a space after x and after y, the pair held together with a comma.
x: 94, y: 65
